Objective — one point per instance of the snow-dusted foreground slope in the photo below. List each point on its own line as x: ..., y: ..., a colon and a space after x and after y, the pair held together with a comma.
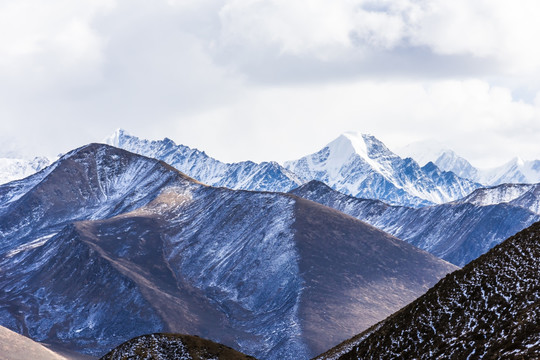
x: 106, y: 245
x: 457, y: 232
x: 246, y: 175
x: 487, y: 310
x: 362, y: 166
x: 173, y: 347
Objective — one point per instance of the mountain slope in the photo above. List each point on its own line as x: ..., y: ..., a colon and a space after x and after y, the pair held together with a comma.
x: 457, y: 232
x: 489, y: 309
x: 173, y: 346
x: 362, y: 166
x: 17, y: 347
x: 246, y: 175
x: 247, y: 269
x: 91, y: 182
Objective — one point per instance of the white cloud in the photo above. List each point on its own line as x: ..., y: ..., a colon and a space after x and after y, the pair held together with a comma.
x: 353, y: 30
x: 271, y: 79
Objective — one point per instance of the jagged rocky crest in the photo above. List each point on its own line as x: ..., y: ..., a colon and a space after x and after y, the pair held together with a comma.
x: 487, y: 310
x: 246, y: 175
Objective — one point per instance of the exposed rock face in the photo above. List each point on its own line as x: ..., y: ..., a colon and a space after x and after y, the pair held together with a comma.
x: 487, y: 310
x: 457, y: 232
x: 173, y: 346
x: 122, y: 245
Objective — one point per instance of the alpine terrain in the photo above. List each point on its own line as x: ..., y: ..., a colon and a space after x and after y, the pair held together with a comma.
x: 362, y: 166
x: 122, y: 245
x: 515, y: 171
x: 247, y: 175
x: 487, y: 310
x: 457, y: 232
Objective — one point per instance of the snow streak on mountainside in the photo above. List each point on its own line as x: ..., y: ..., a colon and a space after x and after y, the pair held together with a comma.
x: 15, y: 169
x: 362, y: 166
x: 173, y: 347
x: 487, y: 310
x: 457, y: 232
x: 125, y: 245
x: 515, y: 171
x: 246, y: 175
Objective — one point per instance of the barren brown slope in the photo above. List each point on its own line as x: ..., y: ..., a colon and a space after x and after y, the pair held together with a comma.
x: 17, y: 347
x: 354, y: 271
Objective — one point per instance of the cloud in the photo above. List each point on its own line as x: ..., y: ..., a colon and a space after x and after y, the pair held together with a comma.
x: 271, y: 79
x: 359, y: 33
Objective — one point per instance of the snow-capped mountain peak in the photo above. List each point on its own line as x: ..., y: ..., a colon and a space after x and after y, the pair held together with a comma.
x: 361, y: 165
x: 352, y: 144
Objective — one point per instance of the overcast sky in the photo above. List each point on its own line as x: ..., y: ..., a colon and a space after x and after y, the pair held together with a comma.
x: 272, y: 79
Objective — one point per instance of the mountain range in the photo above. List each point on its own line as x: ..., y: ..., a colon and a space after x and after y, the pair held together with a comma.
x: 515, y: 171
x: 358, y: 165
x: 487, y: 310
x: 246, y: 175
x: 122, y: 245
x: 362, y: 166
x: 106, y: 244
x: 457, y: 232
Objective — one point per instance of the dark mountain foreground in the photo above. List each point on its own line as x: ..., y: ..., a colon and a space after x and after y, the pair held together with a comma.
x: 106, y: 245
x: 173, y: 347
x: 457, y: 232
x: 487, y: 310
